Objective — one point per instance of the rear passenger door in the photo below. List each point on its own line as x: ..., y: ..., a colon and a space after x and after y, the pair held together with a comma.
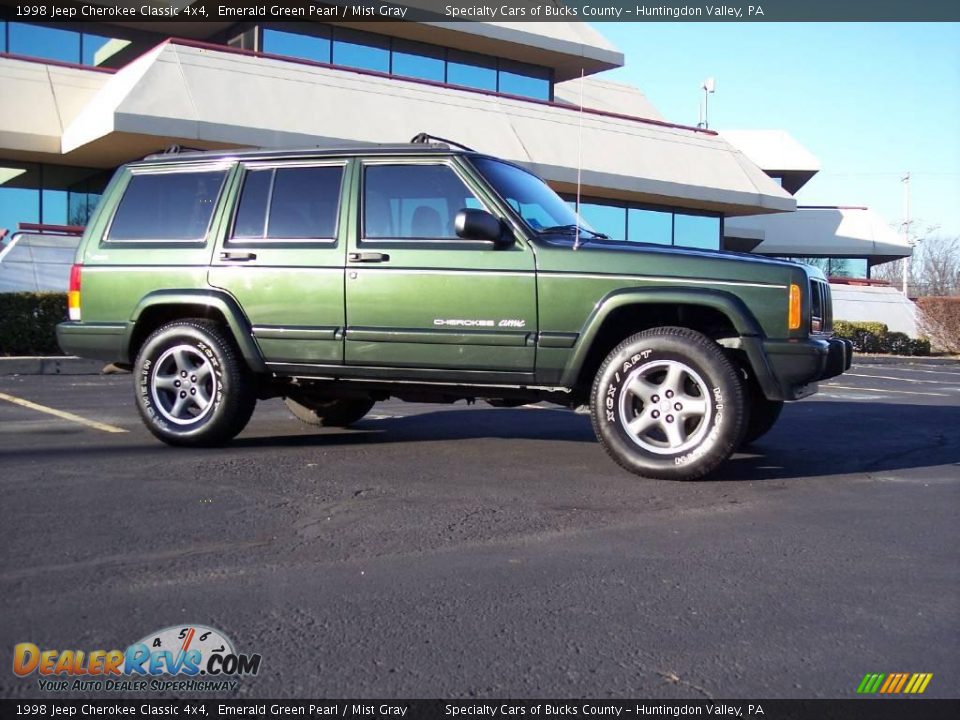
x: 282, y: 258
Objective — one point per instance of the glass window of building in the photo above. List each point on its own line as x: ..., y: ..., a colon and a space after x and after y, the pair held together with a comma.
x: 472, y: 70
x: 696, y: 231
x: 44, y: 42
x: 356, y: 49
x: 412, y: 201
x: 298, y: 45
x: 172, y: 207
x: 418, y: 60
x: 650, y: 226
x: 610, y: 220
x: 522, y: 79
x: 49, y: 194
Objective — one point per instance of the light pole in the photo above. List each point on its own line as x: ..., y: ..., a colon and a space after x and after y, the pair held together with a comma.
x: 907, y: 261
x: 709, y: 86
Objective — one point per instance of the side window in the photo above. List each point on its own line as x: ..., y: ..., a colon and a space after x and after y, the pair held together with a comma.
x: 298, y: 203
x: 413, y: 201
x: 172, y: 207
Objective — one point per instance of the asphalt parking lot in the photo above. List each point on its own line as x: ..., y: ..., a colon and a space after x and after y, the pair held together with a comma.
x: 454, y: 551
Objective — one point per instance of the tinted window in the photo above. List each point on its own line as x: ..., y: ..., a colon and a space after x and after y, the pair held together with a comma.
x: 697, y: 231
x: 251, y: 221
x: 361, y: 50
x: 650, y: 226
x: 526, y: 80
x: 168, y: 206
x: 608, y: 219
x: 296, y: 45
x: 417, y: 60
x: 413, y: 201
x: 303, y: 204
x: 471, y: 70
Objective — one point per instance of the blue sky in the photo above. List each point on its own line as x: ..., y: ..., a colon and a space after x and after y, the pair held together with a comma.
x: 871, y: 101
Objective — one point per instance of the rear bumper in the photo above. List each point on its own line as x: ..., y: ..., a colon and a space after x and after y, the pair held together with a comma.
x: 793, y: 368
x: 92, y: 340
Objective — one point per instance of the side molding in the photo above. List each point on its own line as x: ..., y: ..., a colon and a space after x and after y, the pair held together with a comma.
x: 221, y: 302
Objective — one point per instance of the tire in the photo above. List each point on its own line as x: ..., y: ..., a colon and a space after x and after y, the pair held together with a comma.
x: 337, y: 412
x: 763, y: 416
x: 638, y: 390
x: 192, y: 386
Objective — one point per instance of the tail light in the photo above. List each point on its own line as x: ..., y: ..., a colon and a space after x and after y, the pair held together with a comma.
x: 73, y: 293
x: 793, y: 313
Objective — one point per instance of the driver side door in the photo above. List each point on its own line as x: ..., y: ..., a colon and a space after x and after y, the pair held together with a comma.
x: 423, y: 301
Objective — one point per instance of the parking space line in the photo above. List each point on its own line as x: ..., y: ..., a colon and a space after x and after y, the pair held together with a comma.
x: 899, y: 379
x: 63, y: 414
x: 889, y: 368
x: 876, y: 390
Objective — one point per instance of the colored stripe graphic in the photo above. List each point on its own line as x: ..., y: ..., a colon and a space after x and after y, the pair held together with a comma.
x: 894, y: 683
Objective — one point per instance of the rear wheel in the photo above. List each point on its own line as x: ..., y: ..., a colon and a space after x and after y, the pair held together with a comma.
x: 668, y: 404
x: 336, y: 412
x: 192, y: 386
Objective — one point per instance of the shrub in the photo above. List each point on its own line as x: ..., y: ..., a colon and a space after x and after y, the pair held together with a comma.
x: 875, y: 337
x: 939, y: 319
x: 28, y: 322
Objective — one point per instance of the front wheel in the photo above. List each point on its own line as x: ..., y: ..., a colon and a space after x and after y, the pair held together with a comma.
x: 763, y: 416
x: 668, y: 404
x: 192, y: 387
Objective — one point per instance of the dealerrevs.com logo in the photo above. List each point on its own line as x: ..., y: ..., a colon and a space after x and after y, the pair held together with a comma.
x: 176, y: 659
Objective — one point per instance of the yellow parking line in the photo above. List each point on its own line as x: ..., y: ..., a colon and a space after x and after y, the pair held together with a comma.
x: 877, y: 390
x: 61, y: 414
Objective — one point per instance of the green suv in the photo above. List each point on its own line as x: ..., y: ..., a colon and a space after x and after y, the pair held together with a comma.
x: 337, y: 278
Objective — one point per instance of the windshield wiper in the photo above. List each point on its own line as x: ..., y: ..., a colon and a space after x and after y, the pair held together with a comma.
x: 570, y: 230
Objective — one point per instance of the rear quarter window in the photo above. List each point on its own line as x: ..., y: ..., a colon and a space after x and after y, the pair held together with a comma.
x: 166, y: 207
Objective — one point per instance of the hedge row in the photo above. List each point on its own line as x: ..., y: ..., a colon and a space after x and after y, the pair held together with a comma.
x: 939, y: 319
x: 28, y: 322
x: 875, y: 337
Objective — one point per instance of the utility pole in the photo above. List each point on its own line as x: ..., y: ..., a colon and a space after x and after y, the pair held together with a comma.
x: 907, y: 261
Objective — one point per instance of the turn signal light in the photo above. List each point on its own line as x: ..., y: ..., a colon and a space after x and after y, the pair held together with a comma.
x: 793, y: 315
x: 73, y: 293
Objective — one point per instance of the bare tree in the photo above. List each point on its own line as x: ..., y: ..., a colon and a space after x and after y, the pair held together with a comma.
x: 938, y: 266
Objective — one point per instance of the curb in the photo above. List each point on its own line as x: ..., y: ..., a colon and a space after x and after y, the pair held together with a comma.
x: 50, y: 366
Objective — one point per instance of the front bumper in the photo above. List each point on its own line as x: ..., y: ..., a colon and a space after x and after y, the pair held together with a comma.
x: 791, y: 369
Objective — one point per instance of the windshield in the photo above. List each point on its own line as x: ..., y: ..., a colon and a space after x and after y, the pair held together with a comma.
x: 533, y: 200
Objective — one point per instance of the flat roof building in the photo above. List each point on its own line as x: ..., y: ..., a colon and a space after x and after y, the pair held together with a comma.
x: 89, y: 97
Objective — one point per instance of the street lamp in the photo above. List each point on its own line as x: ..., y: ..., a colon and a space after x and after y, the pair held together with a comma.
x: 709, y: 86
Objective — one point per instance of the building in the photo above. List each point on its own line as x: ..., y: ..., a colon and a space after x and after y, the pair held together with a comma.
x: 89, y: 97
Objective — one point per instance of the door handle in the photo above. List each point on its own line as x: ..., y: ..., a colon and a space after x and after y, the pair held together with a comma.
x: 367, y: 257
x: 238, y: 256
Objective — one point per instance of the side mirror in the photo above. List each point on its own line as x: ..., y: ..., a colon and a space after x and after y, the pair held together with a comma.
x: 473, y: 224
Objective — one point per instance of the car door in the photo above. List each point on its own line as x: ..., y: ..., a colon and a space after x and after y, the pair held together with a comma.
x: 282, y: 258
x: 422, y: 300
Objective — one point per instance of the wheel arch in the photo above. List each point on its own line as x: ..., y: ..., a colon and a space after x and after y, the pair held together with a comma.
x: 164, y: 306
x: 717, y: 314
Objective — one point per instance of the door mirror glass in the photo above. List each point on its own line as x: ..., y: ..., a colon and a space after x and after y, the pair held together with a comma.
x: 473, y: 224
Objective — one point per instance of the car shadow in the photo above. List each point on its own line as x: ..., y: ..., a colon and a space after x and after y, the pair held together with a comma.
x: 811, y: 439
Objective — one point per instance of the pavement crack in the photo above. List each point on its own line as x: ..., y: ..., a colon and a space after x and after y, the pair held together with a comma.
x: 675, y: 679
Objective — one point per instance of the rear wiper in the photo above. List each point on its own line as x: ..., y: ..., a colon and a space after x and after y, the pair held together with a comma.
x: 571, y: 229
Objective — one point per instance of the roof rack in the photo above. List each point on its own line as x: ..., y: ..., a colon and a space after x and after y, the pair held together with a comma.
x: 427, y: 139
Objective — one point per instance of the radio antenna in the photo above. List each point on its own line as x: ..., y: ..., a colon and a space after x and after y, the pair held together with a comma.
x: 576, y: 240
